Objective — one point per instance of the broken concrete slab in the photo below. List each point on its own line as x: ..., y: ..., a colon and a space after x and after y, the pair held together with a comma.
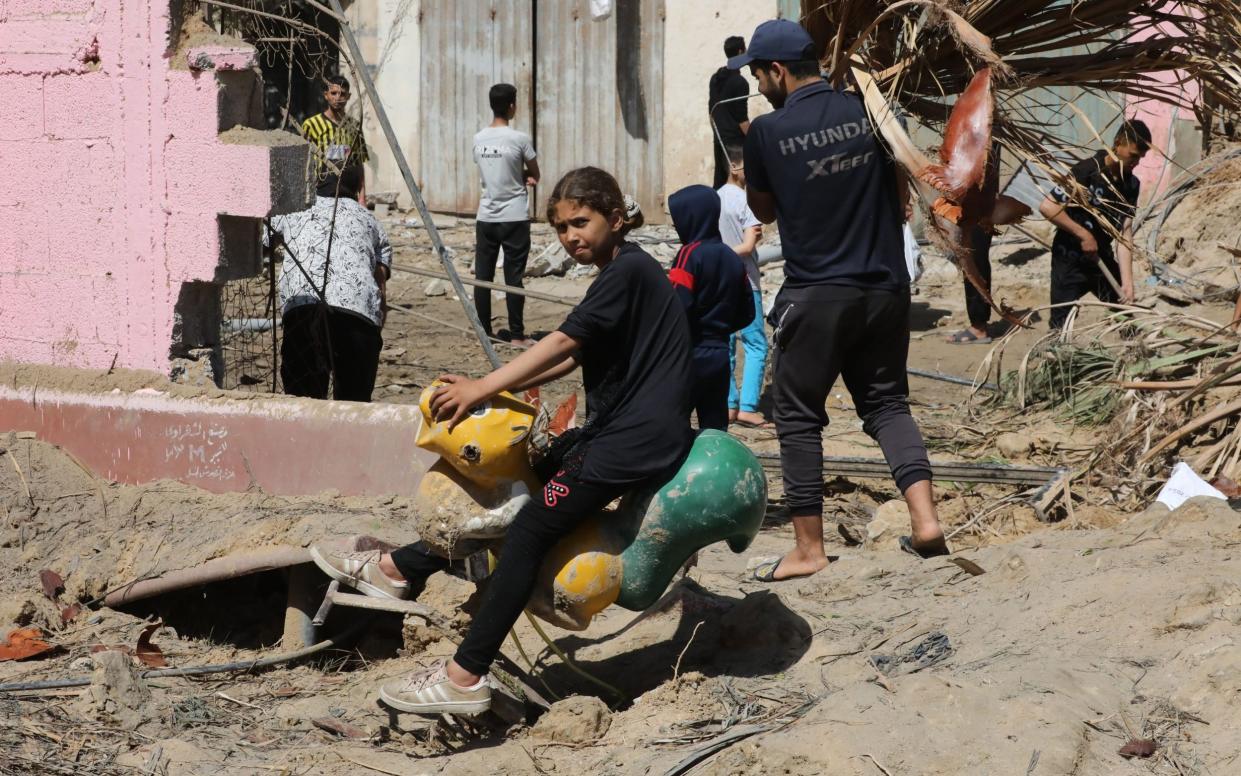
x: 224, y: 445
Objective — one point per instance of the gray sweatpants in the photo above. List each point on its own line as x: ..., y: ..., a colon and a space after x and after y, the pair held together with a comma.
x: 861, y: 334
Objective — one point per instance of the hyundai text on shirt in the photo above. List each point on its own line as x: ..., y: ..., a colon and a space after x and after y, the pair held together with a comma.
x: 839, y: 219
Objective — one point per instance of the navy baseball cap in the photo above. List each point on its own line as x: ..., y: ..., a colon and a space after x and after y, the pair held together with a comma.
x: 777, y: 40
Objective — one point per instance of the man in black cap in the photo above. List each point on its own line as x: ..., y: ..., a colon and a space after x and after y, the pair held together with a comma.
x: 729, y: 110
x: 1099, y: 202
x: 816, y: 165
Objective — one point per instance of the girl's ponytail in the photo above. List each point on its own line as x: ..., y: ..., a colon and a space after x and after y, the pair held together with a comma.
x: 633, y: 215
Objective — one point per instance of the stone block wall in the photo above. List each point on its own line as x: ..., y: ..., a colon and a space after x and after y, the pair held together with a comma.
x: 126, y: 163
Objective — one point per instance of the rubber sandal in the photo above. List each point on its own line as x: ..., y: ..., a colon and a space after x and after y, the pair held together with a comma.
x: 967, y: 337
x: 935, y: 551
x: 764, y: 569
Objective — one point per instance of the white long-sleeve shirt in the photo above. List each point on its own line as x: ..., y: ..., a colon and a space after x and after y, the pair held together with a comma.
x: 358, y: 246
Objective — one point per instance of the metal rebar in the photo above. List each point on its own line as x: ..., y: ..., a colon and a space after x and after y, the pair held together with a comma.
x: 951, y: 379
x: 394, y: 145
x: 430, y: 273
x: 877, y: 468
x: 240, y: 665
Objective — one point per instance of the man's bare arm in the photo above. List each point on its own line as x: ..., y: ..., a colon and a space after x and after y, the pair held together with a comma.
x: 762, y: 203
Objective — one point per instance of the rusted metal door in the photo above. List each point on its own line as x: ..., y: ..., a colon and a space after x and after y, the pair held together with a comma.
x: 467, y: 47
x: 600, y: 95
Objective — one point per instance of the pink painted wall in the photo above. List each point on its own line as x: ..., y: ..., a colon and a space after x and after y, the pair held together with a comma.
x: 112, y: 178
x: 1156, y: 172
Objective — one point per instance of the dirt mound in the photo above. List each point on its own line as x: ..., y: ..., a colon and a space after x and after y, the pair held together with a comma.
x: 1071, y: 643
x: 98, y: 536
x: 1199, y: 235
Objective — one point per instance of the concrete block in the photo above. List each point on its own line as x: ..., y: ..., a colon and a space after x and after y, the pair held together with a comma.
x: 88, y: 238
x: 53, y: 7
x: 217, y: 57
x: 192, y: 242
x: 46, y: 44
x: 81, y: 106
x: 290, y: 178
x: 192, y: 99
x: 23, y: 240
x: 79, y: 317
x: 61, y: 171
x: 287, y: 158
x: 23, y: 119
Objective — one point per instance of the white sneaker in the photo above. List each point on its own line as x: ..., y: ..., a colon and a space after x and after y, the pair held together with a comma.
x: 359, y: 570
x: 430, y: 691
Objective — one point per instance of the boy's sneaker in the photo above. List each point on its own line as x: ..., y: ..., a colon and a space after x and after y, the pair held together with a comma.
x: 430, y: 691
x: 358, y: 569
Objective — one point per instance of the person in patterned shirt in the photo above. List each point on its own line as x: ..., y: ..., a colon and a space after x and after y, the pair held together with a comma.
x: 337, y: 141
x: 332, y: 306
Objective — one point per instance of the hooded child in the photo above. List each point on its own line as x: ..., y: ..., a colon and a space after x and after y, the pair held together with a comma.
x: 710, y: 280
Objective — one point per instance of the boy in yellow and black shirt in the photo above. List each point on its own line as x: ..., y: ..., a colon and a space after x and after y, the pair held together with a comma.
x: 337, y: 140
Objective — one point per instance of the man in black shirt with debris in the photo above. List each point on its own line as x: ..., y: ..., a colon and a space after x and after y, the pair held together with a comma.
x: 1096, y: 205
x: 730, y: 119
x: 816, y: 165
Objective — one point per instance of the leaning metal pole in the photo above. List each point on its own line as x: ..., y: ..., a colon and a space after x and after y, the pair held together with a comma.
x: 369, y: 85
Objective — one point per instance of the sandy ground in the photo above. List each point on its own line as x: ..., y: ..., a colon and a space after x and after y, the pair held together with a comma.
x: 1079, y: 636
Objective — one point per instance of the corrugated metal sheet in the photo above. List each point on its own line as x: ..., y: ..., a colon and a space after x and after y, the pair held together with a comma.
x: 467, y: 47
x: 1050, y: 108
x: 600, y: 95
x: 788, y: 9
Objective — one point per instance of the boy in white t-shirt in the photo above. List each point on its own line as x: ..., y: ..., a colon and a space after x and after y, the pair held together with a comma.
x: 506, y: 166
x: 741, y: 231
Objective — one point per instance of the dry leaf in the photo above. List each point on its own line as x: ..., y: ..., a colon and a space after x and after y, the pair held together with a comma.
x: 1226, y: 486
x: 565, y: 416
x: 150, y: 655
x: 97, y: 648
x: 25, y: 643
x: 333, y: 725
x: 53, y: 585
x: 968, y: 566
x: 1139, y: 747
x: 70, y: 612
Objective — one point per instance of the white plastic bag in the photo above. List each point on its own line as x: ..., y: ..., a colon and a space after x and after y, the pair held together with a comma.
x: 600, y: 9
x: 913, y: 254
x: 1183, y: 485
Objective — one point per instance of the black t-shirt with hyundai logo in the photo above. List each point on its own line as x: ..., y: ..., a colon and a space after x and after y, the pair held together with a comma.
x: 835, y: 191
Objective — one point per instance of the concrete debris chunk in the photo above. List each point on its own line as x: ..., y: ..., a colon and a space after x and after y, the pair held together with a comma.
x: 580, y: 719
x: 116, y: 693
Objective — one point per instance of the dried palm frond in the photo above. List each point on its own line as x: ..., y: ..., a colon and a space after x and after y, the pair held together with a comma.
x: 923, y: 52
x: 1160, y: 385
x: 930, y: 48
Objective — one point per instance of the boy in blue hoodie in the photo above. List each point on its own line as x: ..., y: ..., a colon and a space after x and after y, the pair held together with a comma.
x: 710, y: 281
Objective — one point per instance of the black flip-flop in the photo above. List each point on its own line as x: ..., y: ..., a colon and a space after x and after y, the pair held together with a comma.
x: 937, y: 550
x: 967, y: 337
